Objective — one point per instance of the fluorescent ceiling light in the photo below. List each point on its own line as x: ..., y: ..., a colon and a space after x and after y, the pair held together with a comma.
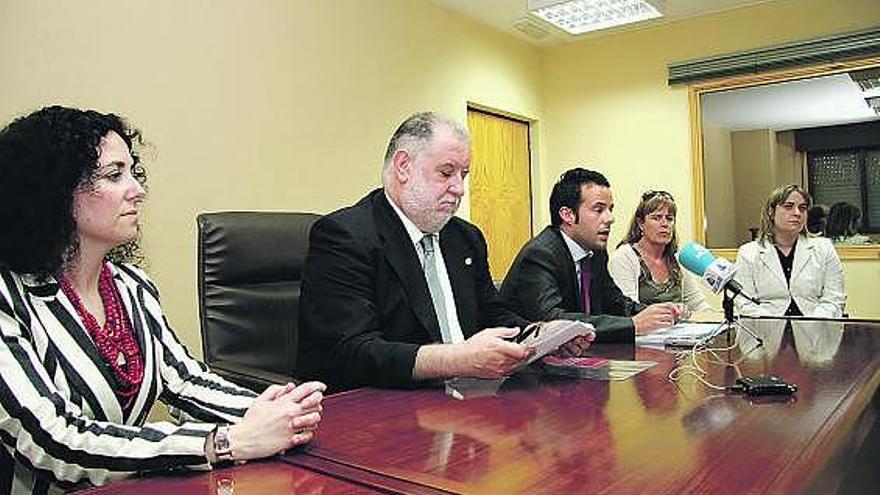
x: 867, y: 79
x: 874, y: 103
x: 581, y: 16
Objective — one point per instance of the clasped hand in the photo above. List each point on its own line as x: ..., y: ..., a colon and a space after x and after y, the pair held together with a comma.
x: 280, y: 418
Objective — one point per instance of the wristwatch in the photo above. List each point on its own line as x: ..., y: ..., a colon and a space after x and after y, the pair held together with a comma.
x: 222, y: 444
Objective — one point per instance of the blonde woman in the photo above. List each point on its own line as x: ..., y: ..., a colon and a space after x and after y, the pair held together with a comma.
x: 790, y: 272
x: 644, y: 264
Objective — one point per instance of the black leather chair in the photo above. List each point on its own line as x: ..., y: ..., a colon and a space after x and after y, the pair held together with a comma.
x: 250, y: 273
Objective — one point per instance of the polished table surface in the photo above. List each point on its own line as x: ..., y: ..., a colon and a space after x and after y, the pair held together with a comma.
x: 270, y: 477
x: 540, y: 434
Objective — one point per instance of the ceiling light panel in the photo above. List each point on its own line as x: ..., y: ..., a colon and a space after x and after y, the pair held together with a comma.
x: 867, y: 79
x: 581, y: 16
x: 874, y: 103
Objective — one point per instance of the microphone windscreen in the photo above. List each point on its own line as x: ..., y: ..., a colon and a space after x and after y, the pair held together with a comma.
x: 695, y: 258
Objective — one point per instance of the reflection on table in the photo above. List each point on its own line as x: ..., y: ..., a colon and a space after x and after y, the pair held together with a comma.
x: 534, y: 433
x: 543, y: 434
x: 815, y: 341
x: 269, y: 477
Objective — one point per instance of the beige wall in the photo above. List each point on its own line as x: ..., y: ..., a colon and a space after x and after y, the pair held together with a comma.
x: 789, y: 161
x: 720, y: 188
x: 607, y: 104
x: 862, y: 286
x: 763, y: 160
x: 270, y: 104
x: 287, y: 104
x: 754, y: 161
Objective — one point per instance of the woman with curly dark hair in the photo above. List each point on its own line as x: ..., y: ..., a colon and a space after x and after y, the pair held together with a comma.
x: 86, y: 350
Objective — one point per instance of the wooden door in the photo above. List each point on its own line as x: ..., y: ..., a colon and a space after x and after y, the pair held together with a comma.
x: 500, y: 185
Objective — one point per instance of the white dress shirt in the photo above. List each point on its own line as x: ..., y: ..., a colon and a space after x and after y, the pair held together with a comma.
x: 416, y: 236
x: 577, y: 254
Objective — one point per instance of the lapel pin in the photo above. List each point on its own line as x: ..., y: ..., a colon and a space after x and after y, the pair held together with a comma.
x: 468, y: 261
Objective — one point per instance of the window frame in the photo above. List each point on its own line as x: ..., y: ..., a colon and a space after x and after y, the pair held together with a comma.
x: 696, y: 90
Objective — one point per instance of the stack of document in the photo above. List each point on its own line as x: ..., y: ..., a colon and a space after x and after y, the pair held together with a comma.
x: 577, y: 367
x: 593, y: 368
x: 545, y: 337
x: 680, y: 335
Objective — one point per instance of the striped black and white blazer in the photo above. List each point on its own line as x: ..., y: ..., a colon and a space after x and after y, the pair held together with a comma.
x: 61, y: 424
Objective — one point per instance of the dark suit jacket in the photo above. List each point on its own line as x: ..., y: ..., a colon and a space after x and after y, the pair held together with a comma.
x: 542, y: 285
x: 365, y: 305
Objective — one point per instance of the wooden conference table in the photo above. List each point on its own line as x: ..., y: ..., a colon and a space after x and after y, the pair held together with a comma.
x: 542, y: 434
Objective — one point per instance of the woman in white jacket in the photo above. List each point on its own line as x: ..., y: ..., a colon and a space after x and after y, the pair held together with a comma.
x: 788, y: 271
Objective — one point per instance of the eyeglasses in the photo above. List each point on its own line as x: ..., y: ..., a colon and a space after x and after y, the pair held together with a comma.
x: 651, y: 194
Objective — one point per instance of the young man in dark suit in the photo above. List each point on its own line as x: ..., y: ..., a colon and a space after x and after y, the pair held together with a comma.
x: 396, y: 290
x: 547, y: 277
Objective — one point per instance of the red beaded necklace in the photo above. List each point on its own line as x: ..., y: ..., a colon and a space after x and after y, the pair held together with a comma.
x: 115, y: 342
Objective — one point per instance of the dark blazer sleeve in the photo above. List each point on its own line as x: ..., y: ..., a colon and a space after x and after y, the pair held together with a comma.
x: 341, y: 330
x: 493, y: 312
x: 533, y: 287
x: 609, y: 296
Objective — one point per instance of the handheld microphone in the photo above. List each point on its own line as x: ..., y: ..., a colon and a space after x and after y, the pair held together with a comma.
x: 716, y: 272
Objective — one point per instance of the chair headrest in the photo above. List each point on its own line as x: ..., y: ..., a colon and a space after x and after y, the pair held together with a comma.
x: 253, y: 247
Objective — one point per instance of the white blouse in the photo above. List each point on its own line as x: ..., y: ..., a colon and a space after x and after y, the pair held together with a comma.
x: 625, y: 269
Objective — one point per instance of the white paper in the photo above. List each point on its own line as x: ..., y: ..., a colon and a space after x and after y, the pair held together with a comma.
x: 683, y: 331
x: 553, y: 334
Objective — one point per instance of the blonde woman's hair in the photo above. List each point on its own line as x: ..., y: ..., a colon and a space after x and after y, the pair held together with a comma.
x: 651, y: 202
x: 777, y: 197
